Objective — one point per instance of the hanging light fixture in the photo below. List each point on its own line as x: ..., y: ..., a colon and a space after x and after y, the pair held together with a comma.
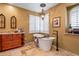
x: 43, y: 12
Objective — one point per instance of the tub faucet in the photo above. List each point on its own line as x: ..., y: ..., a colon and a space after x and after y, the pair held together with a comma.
x: 56, y: 33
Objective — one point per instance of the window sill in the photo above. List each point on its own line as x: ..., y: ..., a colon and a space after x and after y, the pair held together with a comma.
x: 71, y: 34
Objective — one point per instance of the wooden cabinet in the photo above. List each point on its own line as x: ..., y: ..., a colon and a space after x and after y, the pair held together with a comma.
x: 9, y: 41
x: 0, y: 42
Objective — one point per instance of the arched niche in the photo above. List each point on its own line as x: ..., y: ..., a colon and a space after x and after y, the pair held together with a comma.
x: 2, y: 21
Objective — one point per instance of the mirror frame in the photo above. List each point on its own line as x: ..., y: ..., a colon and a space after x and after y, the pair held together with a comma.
x: 13, y: 22
x: 2, y: 21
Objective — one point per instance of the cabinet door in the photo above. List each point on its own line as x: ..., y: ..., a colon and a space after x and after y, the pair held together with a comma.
x: 17, y: 41
x: 6, y: 41
x: 0, y: 42
x: 16, y: 37
x: 6, y: 45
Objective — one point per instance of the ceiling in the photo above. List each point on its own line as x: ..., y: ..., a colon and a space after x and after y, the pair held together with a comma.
x: 34, y: 6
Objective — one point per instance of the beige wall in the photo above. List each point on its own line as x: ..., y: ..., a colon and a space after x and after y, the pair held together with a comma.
x: 22, y: 16
x: 66, y: 41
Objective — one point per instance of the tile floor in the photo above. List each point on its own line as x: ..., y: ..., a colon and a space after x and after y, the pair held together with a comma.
x: 32, y: 50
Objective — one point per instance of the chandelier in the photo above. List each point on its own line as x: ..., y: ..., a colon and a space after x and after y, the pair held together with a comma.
x: 42, y: 14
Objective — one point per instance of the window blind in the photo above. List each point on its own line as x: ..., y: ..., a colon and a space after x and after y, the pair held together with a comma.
x: 36, y: 24
x: 74, y: 17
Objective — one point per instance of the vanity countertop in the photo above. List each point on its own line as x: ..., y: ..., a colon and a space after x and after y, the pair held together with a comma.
x: 13, y: 33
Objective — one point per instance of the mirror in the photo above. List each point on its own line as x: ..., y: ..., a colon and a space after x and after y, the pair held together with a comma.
x: 13, y: 22
x: 2, y: 21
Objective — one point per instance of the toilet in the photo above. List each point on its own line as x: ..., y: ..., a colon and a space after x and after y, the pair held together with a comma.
x: 45, y: 43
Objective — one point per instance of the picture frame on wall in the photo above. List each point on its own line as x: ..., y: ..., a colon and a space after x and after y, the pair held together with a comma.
x: 56, y: 22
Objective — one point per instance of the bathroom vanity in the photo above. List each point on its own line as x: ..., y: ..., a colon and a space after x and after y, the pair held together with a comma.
x: 11, y: 40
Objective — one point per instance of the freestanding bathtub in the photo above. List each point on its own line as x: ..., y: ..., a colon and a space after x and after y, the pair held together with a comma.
x: 42, y: 42
x: 45, y: 43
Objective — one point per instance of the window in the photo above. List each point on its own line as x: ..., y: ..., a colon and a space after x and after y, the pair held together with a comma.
x: 74, y: 17
x: 36, y: 24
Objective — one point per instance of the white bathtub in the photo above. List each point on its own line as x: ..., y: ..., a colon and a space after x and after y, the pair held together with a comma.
x: 45, y: 43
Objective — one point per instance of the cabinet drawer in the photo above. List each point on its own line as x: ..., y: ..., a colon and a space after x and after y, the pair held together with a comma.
x: 6, y: 46
x: 17, y: 36
x: 6, y: 37
x: 6, y: 42
x: 0, y: 47
x: 17, y: 41
x: 16, y: 45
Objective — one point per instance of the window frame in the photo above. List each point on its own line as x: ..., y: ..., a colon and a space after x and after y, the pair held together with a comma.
x: 42, y: 30
x: 69, y: 8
